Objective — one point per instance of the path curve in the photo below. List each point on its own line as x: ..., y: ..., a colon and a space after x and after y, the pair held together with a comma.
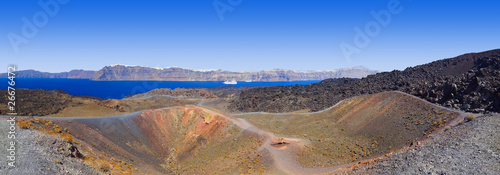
x: 284, y: 159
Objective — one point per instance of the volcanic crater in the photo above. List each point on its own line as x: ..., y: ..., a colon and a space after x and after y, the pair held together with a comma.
x: 196, y: 139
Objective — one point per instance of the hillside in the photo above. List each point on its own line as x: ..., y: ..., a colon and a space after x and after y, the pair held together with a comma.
x: 185, y: 140
x: 39, y: 102
x: 357, y: 128
x: 195, y: 140
x: 124, y: 72
x: 469, y: 148
x: 469, y: 82
x: 79, y: 74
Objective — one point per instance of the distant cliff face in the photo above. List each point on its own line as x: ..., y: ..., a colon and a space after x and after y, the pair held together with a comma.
x: 123, y: 72
x: 78, y: 74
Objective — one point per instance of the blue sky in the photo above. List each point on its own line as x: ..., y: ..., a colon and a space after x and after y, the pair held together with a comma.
x: 255, y: 35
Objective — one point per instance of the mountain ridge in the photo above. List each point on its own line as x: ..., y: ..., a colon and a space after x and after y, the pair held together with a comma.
x: 127, y: 72
x: 30, y: 73
x: 118, y: 72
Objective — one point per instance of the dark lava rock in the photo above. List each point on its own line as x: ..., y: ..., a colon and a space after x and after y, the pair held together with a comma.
x: 36, y: 102
x: 469, y: 82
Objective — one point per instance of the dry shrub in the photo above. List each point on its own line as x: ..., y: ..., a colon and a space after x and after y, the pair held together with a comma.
x: 110, y: 165
x: 67, y: 138
x: 104, y: 167
x: 24, y: 123
x: 469, y: 117
x: 447, y: 127
x: 57, y: 128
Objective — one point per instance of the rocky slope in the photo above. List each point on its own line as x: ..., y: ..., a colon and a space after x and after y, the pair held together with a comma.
x: 470, y: 148
x: 176, y: 93
x: 80, y: 74
x: 124, y: 72
x: 177, y: 140
x: 469, y: 82
x: 195, y: 140
x: 38, y: 102
x: 358, y: 128
x: 41, y: 153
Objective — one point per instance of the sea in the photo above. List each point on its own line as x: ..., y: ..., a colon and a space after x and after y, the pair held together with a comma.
x: 122, y: 89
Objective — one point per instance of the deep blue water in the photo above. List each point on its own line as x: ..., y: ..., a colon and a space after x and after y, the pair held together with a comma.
x: 121, y: 89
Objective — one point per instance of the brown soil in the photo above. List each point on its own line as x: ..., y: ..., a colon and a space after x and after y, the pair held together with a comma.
x: 196, y: 140
x: 57, y: 103
x: 38, y: 102
x: 359, y: 128
x: 170, y: 140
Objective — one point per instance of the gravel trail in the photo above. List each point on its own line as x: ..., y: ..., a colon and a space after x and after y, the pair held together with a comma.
x: 37, y: 153
x: 470, y: 148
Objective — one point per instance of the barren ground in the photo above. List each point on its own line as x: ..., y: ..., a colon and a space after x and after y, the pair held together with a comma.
x: 470, y: 148
x: 351, y: 137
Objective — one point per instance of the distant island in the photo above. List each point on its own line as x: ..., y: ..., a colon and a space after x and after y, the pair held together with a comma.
x: 75, y: 74
x: 119, y: 72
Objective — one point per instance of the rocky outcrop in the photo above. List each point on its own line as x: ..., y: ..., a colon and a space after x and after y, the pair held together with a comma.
x: 77, y: 74
x: 468, y: 82
x: 83, y: 74
x: 39, y: 102
x: 124, y: 72
x: 178, y: 93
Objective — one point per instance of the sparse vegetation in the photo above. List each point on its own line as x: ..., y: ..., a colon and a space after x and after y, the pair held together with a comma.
x: 46, y: 126
x: 104, y: 167
x: 58, y: 161
x: 102, y: 163
x: 469, y: 117
x: 340, y: 135
x: 23, y: 123
x: 197, y: 140
x: 447, y: 127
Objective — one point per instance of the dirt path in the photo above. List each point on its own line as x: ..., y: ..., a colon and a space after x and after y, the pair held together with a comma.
x: 284, y: 159
x: 200, y: 103
x: 304, y: 113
